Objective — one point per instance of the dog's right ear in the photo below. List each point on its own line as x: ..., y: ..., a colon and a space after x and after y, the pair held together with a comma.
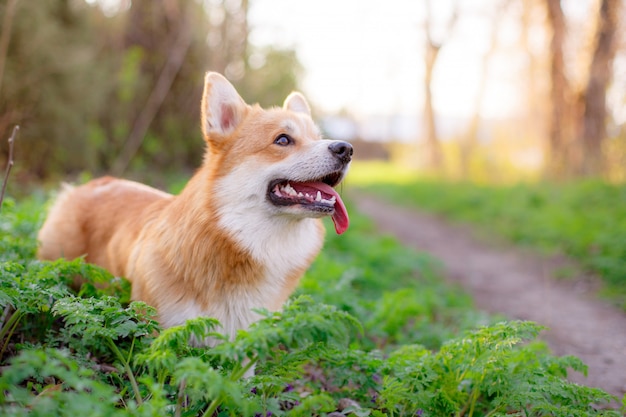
x: 222, y: 107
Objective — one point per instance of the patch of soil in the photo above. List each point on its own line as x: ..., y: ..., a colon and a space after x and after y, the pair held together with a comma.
x: 520, y: 285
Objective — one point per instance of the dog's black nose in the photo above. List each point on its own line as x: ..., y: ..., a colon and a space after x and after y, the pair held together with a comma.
x: 343, y: 150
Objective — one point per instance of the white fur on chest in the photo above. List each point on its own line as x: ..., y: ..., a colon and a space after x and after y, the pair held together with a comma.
x: 278, y: 242
x: 233, y: 314
x: 282, y: 245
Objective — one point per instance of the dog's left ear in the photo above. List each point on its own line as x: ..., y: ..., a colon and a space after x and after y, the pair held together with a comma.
x: 222, y: 107
x: 297, y: 103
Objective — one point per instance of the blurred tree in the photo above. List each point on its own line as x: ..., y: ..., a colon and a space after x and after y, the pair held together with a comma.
x: 434, y: 156
x: 594, y: 118
x: 561, y: 96
x: 96, y: 87
x: 161, y: 32
x: 579, y: 116
x: 176, y: 42
x: 51, y: 66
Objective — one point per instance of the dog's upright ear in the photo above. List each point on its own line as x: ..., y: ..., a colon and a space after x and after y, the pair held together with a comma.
x: 222, y: 108
x: 297, y: 103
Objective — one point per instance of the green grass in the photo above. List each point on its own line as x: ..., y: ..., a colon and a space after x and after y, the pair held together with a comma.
x: 371, y: 331
x: 585, y: 220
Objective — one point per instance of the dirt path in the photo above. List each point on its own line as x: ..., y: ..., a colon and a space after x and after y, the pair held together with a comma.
x: 519, y: 285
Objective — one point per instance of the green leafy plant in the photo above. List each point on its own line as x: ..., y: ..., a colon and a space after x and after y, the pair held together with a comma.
x: 372, y: 331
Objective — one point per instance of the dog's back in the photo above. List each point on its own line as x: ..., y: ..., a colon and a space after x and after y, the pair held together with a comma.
x: 74, y: 224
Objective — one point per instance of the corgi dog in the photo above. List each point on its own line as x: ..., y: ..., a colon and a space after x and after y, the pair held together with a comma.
x: 238, y: 236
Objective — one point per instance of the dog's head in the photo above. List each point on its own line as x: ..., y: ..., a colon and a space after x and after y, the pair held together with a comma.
x: 273, y: 160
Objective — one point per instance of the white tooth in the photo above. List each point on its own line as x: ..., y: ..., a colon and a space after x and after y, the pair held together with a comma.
x: 300, y: 195
x: 289, y: 189
x: 333, y: 199
x: 318, y: 197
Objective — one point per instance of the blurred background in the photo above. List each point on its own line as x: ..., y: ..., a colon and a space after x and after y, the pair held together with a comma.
x: 482, y: 90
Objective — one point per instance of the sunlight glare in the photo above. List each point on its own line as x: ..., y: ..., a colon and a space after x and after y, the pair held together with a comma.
x: 367, y: 57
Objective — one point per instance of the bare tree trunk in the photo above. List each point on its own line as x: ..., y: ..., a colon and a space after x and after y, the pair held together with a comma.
x: 434, y: 157
x: 600, y: 75
x: 560, y: 93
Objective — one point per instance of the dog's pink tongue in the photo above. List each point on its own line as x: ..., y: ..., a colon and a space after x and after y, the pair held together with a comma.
x: 340, y: 216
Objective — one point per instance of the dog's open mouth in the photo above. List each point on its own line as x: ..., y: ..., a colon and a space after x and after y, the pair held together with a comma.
x: 316, y: 195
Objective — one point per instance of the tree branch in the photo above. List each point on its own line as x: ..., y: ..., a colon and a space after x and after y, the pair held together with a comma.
x: 9, y: 163
x: 175, y: 59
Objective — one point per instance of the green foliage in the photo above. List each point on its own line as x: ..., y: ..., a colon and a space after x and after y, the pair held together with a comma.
x: 43, y: 382
x: 77, y: 80
x: 585, y: 220
x: 372, y: 331
x: 490, y: 376
x: 52, y: 87
x: 17, y: 228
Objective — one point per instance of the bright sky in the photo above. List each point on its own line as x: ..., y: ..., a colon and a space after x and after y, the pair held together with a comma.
x: 367, y: 56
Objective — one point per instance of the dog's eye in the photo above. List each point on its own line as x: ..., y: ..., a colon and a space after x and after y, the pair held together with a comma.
x: 283, y: 140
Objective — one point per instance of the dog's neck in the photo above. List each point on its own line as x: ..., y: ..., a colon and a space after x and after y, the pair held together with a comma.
x: 280, y: 242
x: 284, y: 246
x: 242, y: 259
